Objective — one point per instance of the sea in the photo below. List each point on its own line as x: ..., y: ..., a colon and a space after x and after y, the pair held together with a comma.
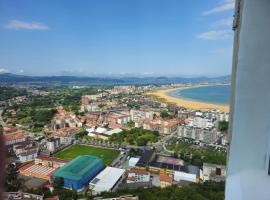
x: 218, y: 94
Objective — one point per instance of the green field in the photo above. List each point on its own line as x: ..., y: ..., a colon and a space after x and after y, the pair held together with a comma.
x: 107, y: 155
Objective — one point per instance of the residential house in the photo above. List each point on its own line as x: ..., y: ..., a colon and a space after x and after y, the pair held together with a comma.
x: 165, y: 181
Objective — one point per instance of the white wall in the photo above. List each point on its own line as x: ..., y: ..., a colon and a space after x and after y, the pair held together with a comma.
x: 247, y: 177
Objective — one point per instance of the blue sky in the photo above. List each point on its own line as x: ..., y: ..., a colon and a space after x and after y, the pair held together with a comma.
x: 108, y: 37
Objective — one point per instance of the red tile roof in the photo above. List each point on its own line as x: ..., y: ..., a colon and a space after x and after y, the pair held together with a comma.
x: 165, y: 178
x: 139, y: 171
x: 15, y: 135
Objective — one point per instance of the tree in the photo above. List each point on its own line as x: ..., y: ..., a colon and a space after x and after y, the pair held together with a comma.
x: 12, y: 182
x: 81, y: 134
x: 101, y: 106
x: 141, y: 141
x: 164, y: 114
x: 58, y: 183
x: 156, y: 133
x: 223, y: 126
x: 205, y: 191
x: 66, y: 194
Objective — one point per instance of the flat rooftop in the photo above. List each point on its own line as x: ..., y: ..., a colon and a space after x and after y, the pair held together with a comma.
x: 106, y: 179
x: 168, y: 163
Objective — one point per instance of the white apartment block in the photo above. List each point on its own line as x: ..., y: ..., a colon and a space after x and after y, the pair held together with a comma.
x: 141, y: 114
x: 200, y: 122
x: 199, y: 134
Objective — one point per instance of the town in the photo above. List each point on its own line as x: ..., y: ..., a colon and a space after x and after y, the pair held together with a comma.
x: 90, y: 142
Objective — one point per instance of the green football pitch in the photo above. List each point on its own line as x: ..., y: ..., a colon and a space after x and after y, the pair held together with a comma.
x: 107, y: 155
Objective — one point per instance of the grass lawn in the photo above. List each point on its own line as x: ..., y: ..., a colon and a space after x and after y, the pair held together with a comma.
x: 107, y: 155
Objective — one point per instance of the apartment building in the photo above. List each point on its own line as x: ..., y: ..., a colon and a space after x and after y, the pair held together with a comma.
x: 163, y: 126
x: 118, y: 117
x: 136, y: 175
x: 52, y: 144
x: 64, y: 119
x: 207, y: 135
x: 15, y: 137
x: 137, y: 115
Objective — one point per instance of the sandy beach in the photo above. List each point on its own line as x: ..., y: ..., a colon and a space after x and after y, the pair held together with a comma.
x: 164, y: 96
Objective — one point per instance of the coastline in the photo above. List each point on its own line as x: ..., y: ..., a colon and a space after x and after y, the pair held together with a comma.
x: 164, y: 95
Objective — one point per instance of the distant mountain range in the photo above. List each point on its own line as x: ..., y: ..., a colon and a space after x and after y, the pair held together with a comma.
x: 8, y: 78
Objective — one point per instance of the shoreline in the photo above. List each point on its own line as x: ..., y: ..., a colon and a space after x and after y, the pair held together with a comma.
x: 187, y: 103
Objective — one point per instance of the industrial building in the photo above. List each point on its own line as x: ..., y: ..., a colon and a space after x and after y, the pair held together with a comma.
x: 146, y: 158
x: 106, y: 180
x: 186, y: 177
x: 158, y: 164
x: 78, y: 172
x: 166, y: 165
x: 133, y: 161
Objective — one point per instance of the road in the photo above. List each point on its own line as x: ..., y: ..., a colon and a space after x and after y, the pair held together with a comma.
x: 160, y: 143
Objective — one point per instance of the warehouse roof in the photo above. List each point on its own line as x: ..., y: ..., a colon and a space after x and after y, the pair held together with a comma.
x: 146, y: 158
x: 106, y: 179
x: 114, y: 131
x: 78, y: 168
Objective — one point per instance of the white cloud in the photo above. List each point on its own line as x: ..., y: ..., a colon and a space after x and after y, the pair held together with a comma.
x: 21, y: 71
x: 3, y: 70
x: 215, y: 35
x: 18, y: 25
x: 227, y: 5
x: 223, y: 22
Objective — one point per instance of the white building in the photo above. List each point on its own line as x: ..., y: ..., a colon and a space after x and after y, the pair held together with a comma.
x: 223, y: 117
x: 28, y: 155
x: 106, y: 180
x: 208, y: 135
x: 141, y: 114
x: 133, y: 161
x: 183, y: 176
x: 248, y: 175
x: 200, y: 122
x: 113, y: 131
x: 52, y: 144
x: 126, y: 89
x: 66, y: 139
